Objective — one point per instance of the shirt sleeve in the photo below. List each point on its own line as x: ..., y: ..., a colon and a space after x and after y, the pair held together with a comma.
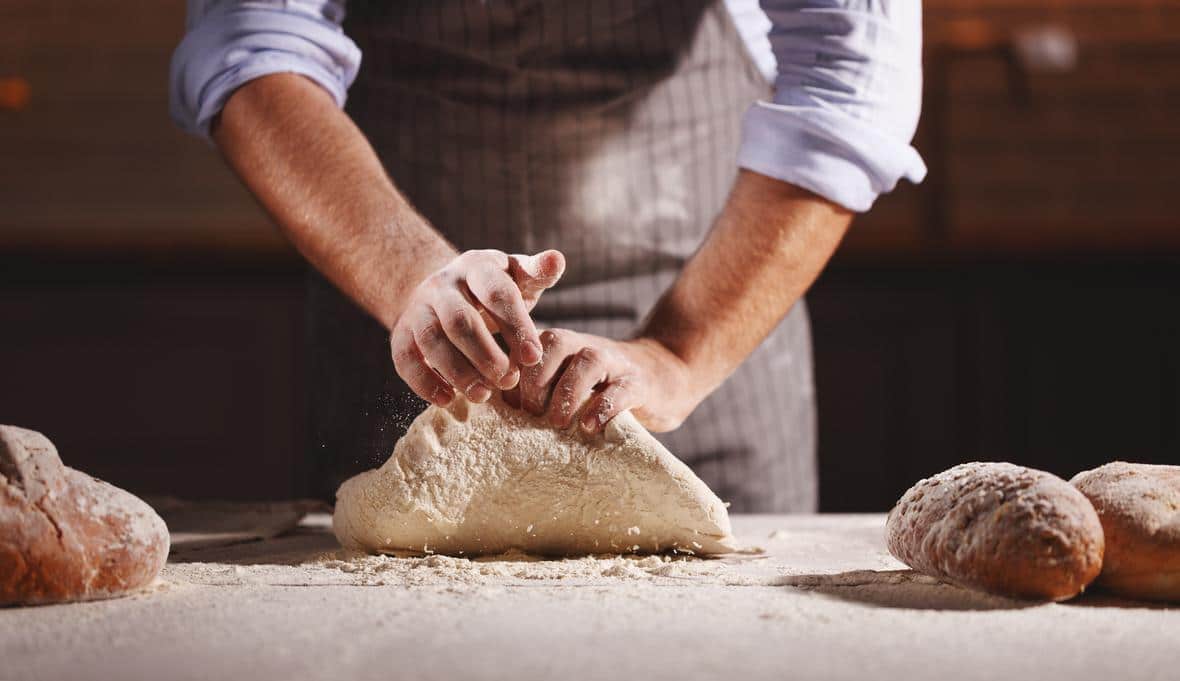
x: 230, y: 42
x: 847, y: 95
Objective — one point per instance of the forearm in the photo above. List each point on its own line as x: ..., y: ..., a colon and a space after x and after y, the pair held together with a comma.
x: 767, y: 247
x: 319, y: 179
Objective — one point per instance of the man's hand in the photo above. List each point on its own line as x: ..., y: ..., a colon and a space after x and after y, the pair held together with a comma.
x: 765, y: 249
x: 318, y: 177
x: 442, y: 341
x: 593, y: 379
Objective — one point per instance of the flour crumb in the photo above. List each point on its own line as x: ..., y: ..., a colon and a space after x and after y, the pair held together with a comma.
x: 513, y: 566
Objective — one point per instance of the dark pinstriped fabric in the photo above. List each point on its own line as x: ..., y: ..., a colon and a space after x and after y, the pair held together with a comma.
x: 606, y: 129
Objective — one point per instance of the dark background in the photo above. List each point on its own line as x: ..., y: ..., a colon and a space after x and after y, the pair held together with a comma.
x: 1020, y: 305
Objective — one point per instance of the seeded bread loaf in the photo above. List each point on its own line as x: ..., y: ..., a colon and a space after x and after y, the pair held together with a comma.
x: 65, y: 536
x: 999, y: 528
x: 1139, y: 507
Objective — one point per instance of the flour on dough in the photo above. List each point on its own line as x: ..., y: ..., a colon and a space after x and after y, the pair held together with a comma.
x: 487, y: 478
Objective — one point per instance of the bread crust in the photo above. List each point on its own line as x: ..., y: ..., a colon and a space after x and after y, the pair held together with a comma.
x: 65, y: 536
x: 1000, y: 528
x: 1139, y: 507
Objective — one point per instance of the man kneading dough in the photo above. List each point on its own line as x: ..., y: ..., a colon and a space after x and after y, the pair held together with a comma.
x: 678, y: 179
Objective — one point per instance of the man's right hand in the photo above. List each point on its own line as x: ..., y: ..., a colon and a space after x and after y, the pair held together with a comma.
x: 320, y: 180
x: 443, y: 339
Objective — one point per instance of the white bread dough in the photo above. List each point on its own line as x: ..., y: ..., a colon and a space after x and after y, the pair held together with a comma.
x: 488, y: 478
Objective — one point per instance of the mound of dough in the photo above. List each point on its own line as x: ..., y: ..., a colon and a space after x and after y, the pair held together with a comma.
x: 486, y: 478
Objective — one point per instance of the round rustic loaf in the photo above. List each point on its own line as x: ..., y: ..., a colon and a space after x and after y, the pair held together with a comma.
x: 1139, y: 506
x: 65, y: 536
x: 1000, y: 528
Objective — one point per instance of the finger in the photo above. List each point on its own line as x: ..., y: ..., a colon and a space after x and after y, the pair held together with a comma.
x: 535, y: 273
x: 500, y: 296
x: 585, y: 371
x: 411, y: 366
x: 615, y: 398
x: 466, y: 330
x: 512, y: 397
x: 445, y: 358
x: 535, y: 381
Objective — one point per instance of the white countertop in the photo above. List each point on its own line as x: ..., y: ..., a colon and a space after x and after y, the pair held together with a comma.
x: 824, y: 600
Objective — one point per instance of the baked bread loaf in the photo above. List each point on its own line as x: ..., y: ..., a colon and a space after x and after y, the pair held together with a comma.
x: 65, y: 536
x: 1139, y: 506
x: 1000, y: 528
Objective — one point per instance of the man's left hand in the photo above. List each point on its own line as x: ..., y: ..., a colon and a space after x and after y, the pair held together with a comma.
x: 592, y: 379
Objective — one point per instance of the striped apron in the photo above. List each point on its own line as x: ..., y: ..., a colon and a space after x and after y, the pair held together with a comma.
x: 607, y: 130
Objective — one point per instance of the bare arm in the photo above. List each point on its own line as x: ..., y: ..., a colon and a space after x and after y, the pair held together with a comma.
x: 765, y: 249
x: 319, y: 179
x: 768, y: 246
x: 317, y: 176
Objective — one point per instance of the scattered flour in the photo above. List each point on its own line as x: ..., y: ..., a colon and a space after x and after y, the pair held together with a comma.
x: 516, y: 566
x: 353, y: 568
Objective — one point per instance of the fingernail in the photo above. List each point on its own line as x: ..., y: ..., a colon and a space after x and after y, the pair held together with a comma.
x: 510, y: 380
x: 589, y: 423
x: 442, y: 397
x: 530, y: 353
x: 554, y: 261
x: 479, y: 392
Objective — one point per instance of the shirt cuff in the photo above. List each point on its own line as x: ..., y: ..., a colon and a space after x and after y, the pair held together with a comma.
x: 225, y: 51
x: 826, y: 151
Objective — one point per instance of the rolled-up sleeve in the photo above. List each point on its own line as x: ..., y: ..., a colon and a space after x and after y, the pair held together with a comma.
x: 230, y: 42
x: 846, y: 101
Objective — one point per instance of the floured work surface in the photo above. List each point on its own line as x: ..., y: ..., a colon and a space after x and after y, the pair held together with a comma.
x: 824, y: 600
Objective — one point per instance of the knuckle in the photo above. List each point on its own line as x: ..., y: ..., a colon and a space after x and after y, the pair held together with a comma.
x: 415, y: 374
x: 449, y: 366
x: 460, y: 322
x: 402, y: 357
x: 484, y: 256
x: 420, y: 371
x: 499, y: 296
x: 591, y: 356
x: 402, y: 351
x: 440, y: 279
x: 431, y: 334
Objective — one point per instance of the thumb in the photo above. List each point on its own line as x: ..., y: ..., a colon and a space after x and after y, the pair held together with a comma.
x: 535, y: 273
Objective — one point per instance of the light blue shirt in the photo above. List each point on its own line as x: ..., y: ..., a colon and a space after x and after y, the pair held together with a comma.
x: 847, y: 80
